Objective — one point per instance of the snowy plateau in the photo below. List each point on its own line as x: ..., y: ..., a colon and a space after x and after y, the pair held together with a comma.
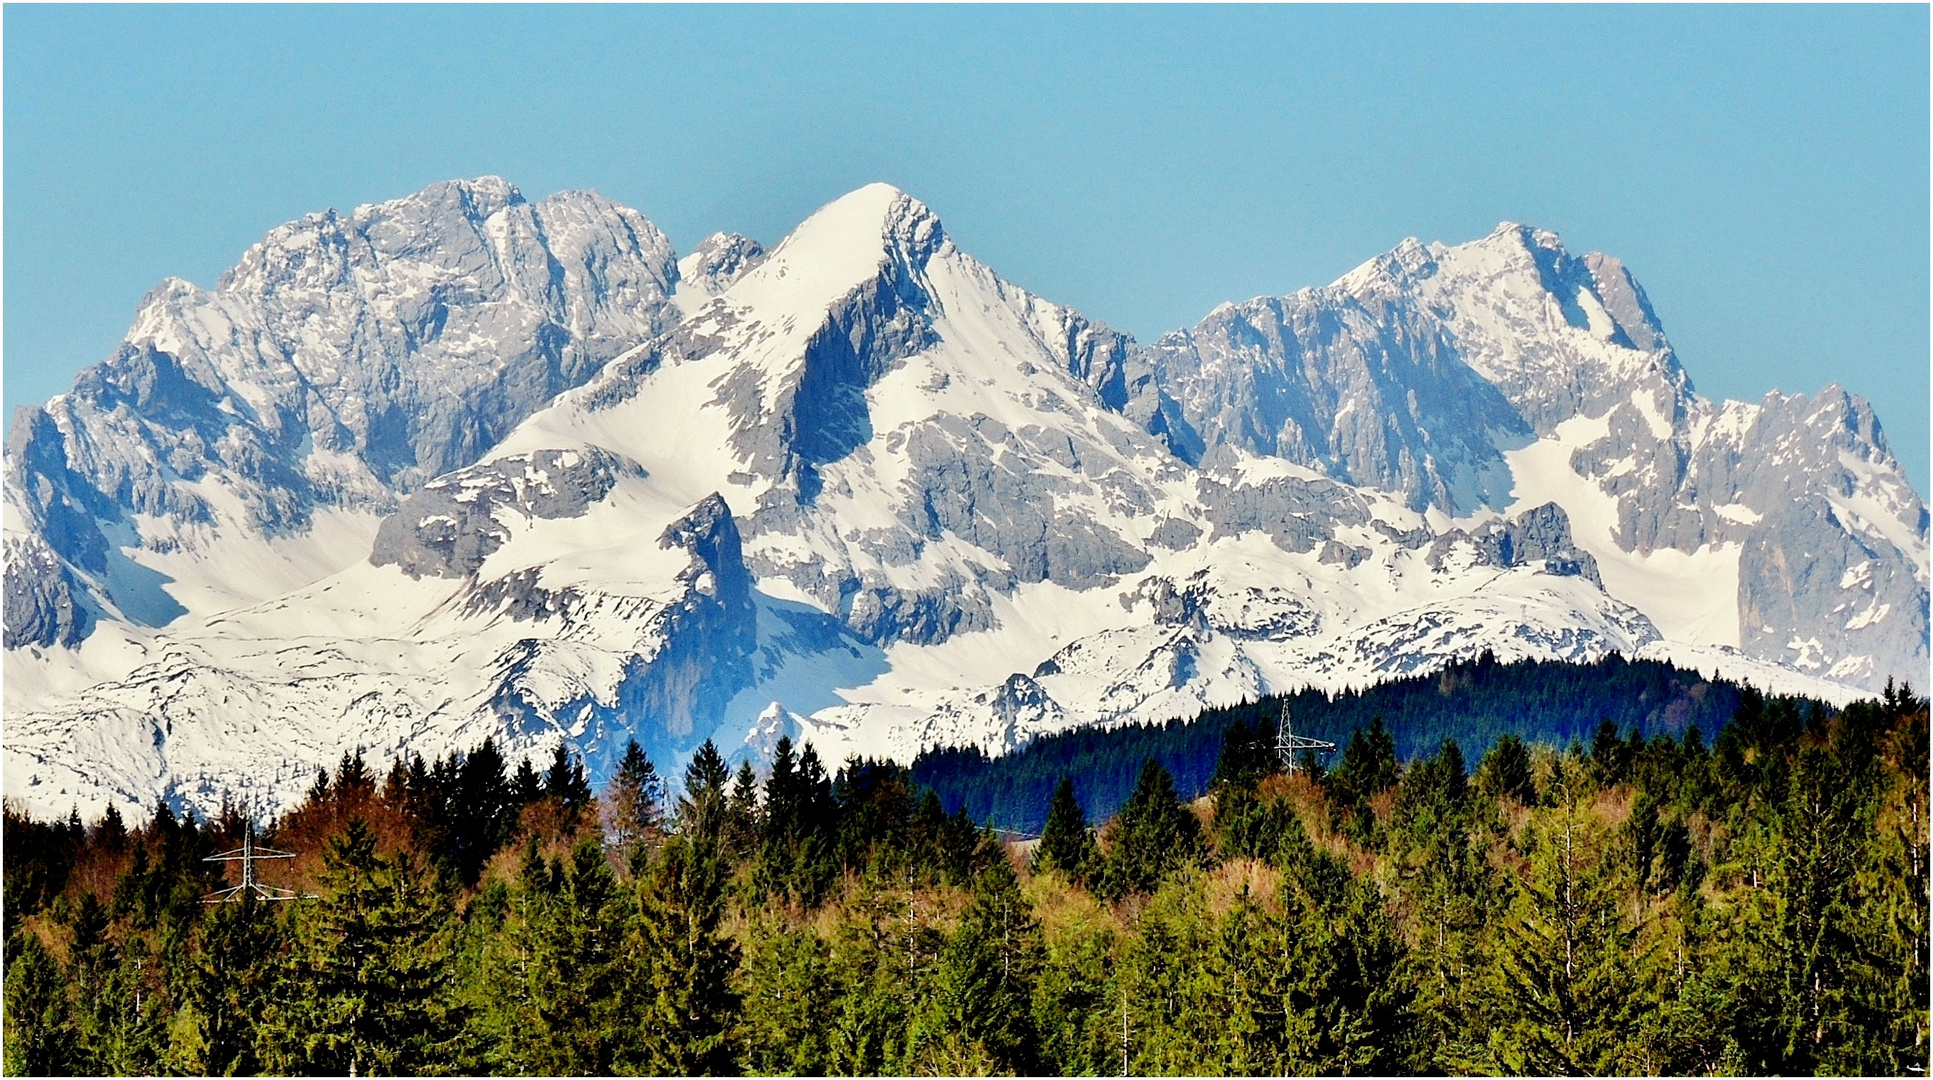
x: 465, y: 465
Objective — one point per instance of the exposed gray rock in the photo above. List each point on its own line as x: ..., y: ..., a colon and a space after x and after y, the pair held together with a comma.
x: 1201, y: 606
x: 1346, y: 555
x: 342, y: 362
x: 1637, y: 325
x: 450, y: 525
x: 717, y: 261
x: 669, y: 696
x: 1174, y: 534
x: 1542, y: 533
x: 1000, y: 503
x: 43, y: 602
x: 1815, y: 595
x: 519, y: 596
x: 1021, y: 703
x: 1297, y: 514
x: 1370, y: 397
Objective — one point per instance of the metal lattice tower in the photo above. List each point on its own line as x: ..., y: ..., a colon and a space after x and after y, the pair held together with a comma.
x: 246, y: 855
x: 1288, y: 744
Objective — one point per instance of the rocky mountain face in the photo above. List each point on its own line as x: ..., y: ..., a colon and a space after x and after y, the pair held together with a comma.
x: 462, y: 464
x: 342, y: 363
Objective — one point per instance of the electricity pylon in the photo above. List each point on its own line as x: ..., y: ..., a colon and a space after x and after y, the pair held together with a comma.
x: 1288, y: 744
x: 246, y: 855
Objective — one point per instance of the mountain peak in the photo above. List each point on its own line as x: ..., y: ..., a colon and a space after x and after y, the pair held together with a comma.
x: 877, y: 213
x: 844, y: 244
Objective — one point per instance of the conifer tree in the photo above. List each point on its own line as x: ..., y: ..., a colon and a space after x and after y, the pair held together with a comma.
x: 685, y: 966
x: 371, y: 993
x: 741, y: 809
x: 567, y: 973
x: 38, y: 1028
x: 1505, y: 771
x: 565, y: 782
x: 1561, y: 991
x: 230, y: 981
x: 632, y: 799
x: 1152, y: 835
x: 1067, y: 844
x: 701, y: 808
x: 526, y: 787
x: 1245, y: 758
x: 787, y: 990
x: 975, y: 1008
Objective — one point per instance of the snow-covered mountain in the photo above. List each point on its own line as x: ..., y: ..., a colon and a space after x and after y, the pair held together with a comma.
x: 460, y: 465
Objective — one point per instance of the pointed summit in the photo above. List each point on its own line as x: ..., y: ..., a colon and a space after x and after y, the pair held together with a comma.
x: 844, y: 245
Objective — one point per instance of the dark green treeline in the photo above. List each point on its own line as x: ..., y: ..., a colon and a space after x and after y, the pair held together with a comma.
x: 1474, y: 702
x: 1630, y: 903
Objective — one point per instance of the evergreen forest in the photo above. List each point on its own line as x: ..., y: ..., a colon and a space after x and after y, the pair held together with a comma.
x: 1672, y: 877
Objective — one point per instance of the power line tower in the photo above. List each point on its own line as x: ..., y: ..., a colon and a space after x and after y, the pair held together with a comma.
x: 1288, y: 744
x: 247, y: 855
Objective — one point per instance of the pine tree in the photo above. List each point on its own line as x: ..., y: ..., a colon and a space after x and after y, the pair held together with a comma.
x: 565, y: 782
x: 1245, y: 759
x: 372, y: 989
x: 565, y: 978
x: 526, y: 787
x: 975, y: 1008
x: 787, y: 990
x: 701, y: 808
x: 38, y: 1028
x: 1561, y: 992
x: 741, y: 811
x: 1152, y: 835
x: 1505, y: 771
x: 1067, y: 844
x: 686, y: 965
x: 230, y: 981
x: 632, y: 799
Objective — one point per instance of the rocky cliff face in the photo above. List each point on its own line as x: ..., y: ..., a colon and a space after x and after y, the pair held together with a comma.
x: 1440, y: 373
x: 343, y: 362
x: 461, y: 465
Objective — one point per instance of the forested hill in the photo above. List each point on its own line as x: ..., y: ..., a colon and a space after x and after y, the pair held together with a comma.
x: 1473, y: 703
x: 1647, y: 907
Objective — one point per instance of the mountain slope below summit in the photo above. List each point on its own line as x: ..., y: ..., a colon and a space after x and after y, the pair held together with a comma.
x: 242, y: 440
x: 1504, y: 373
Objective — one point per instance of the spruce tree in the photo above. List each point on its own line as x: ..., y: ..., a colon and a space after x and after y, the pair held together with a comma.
x: 1067, y: 844
x: 230, y: 981
x: 701, y: 807
x: 742, y: 814
x: 1152, y: 835
x: 565, y: 782
x: 1505, y: 771
x: 39, y: 1039
x: 1562, y: 992
x: 975, y: 1006
x: 632, y: 800
x: 371, y: 992
x: 683, y: 988
x: 565, y: 979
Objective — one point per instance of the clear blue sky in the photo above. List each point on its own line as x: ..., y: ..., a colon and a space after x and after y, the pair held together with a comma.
x: 1764, y: 171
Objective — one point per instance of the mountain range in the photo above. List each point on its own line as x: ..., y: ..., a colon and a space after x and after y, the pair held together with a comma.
x: 464, y: 465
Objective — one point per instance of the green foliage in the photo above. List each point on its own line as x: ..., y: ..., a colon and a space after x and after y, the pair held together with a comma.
x: 242, y: 955
x: 1153, y: 835
x: 1067, y: 844
x: 686, y: 1003
x: 560, y: 968
x: 1505, y: 771
x: 1636, y: 904
x: 370, y: 987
